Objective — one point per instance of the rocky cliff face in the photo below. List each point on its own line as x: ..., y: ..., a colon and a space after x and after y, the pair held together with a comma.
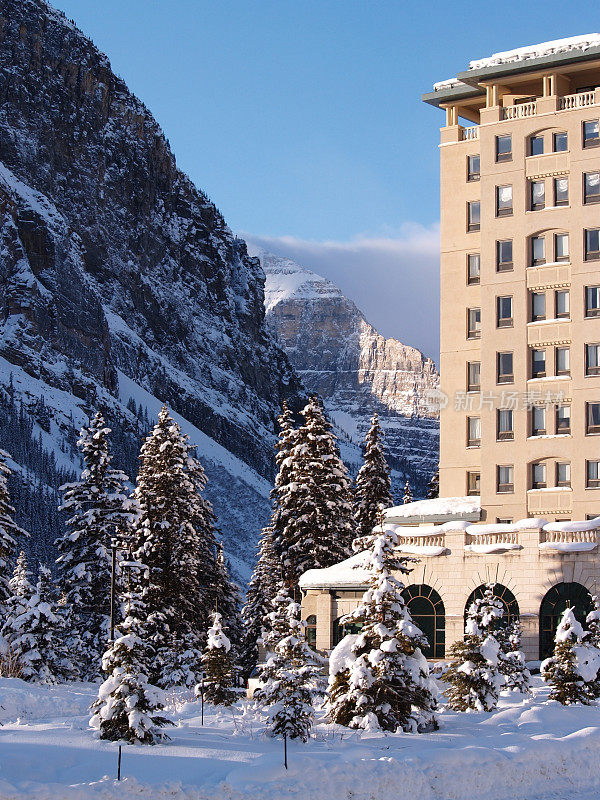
x: 337, y: 353
x: 119, y: 280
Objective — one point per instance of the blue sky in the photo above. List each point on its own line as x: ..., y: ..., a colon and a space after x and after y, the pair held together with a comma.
x: 302, y: 120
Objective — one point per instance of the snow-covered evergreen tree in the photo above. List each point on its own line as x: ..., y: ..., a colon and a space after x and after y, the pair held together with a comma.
x: 218, y: 665
x: 387, y: 684
x: 474, y: 675
x: 261, y: 590
x: 511, y: 664
x: 226, y: 600
x: 99, y: 510
x: 372, y: 489
x: 593, y: 622
x: 128, y: 706
x: 282, y: 508
x: 10, y: 532
x: 433, y: 487
x: 319, y: 526
x: 290, y: 678
x: 572, y: 670
x: 407, y: 497
x: 36, y: 635
x: 20, y: 592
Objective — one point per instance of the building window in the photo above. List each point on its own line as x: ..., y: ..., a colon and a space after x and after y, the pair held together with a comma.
x: 538, y: 250
x: 311, y: 631
x: 592, y: 474
x: 473, y: 483
x: 557, y: 599
x: 538, y: 306
x: 473, y: 268
x: 341, y: 629
x: 536, y: 145
x: 473, y: 170
x: 592, y: 359
x: 538, y: 476
x: 504, y: 312
x: 505, y: 429
x: 473, y: 323
x: 505, y: 479
x: 563, y: 473
x: 591, y: 187
x: 504, y: 255
x: 562, y: 304
x: 538, y: 363
x: 473, y: 215
x: 473, y: 431
x: 561, y: 247
x: 504, y: 521
x: 592, y: 244
x: 427, y: 611
x: 561, y: 191
x: 504, y: 148
x: 562, y: 359
x: 560, y: 142
x: 591, y: 134
x: 473, y: 376
x: 538, y: 421
x: 505, y: 368
x: 504, y: 201
x: 537, y: 196
x: 563, y: 419
x: 592, y: 301
x: 592, y: 418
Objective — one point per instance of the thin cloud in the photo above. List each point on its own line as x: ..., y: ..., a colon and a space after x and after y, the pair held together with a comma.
x: 393, y: 277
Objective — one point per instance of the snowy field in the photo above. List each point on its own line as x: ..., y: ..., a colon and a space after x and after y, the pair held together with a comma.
x: 529, y: 749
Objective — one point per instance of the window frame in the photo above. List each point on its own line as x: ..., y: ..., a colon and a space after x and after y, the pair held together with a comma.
x: 541, y: 374
x: 475, y: 332
x: 592, y: 483
x: 508, y: 435
x: 558, y: 203
x: 535, y: 484
x: 562, y: 314
x: 472, y: 227
x: 469, y: 385
x: 504, y: 212
x: 473, y: 441
x: 590, y: 255
x: 557, y: 428
x: 590, y: 141
x: 507, y: 377
x: 594, y: 370
x: 471, y: 175
x: 558, y: 258
x: 506, y: 487
x: 533, y: 317
x: 504, y: 266
x: 565, y: 482
x: 533, y: 261
x: 555, y: 136
x: 537, y: 430
x: 557, y: 369
x: 535, y: 137
x: 504, y: 322
x: 473, y: 280
x: 507, y: 156
x: 533, y: 206
x: 589, y: 200
x: 476, y: 490
x: 591, y: 430
x: 591, y: 311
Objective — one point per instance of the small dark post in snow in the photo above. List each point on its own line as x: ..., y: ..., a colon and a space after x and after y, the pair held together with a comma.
x: 113, y: 590
x: 285, y: 750
x: 119, y: 765
x: 202, y: 699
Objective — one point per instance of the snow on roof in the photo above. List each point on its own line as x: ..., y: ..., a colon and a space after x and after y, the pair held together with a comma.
x: 449, y: 83
x: 538, y: 50
x: 438, y: 507
x: 348, y: 573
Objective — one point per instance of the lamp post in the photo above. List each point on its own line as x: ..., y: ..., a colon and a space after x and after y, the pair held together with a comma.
x: 116, y: 545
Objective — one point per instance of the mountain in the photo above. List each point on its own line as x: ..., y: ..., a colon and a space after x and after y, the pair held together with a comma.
x: 338, y: 354
x: 121, y: 287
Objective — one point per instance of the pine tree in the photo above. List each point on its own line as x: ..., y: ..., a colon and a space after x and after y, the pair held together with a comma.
x: 387, y: 684
x: 433, y: 487
x: 218, y: 665
x: 572, y: 670
x: 36, y: 633
x: 282, y: 509
x: 20, y: 593
x: 261, y: 590
x: 99, y: 511
x: 10, y: 532
x: 319, y: 527
x: 512, y: 665
x: 169, y: 545
x: 290, y: 678
x: 474, y: 676
x: 128, y: 706
x: 373, y: 485
x: 407, y: 497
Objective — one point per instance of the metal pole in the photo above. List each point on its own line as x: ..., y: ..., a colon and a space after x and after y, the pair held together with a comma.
x: 113, y: 591
x: 285, y: 750
x: 202, y: 697
x: 119, y: 765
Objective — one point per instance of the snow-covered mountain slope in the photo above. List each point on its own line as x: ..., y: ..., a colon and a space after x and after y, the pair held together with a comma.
x: 337, y: 353
x: 116, y: 271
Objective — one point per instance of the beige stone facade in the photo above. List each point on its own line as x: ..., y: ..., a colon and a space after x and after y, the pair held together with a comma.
x: 520, y: 350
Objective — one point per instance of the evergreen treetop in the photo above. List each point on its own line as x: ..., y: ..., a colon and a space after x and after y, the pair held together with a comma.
x: 407, y: 497
x: 373, y: 485
x: 218, y: 666
x: 10, y: 532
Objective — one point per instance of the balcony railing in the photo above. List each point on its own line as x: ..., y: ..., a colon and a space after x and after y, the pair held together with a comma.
x: 568, y: 536
x: 496, y: 538
x: 468, y: 134
x: 580, y: 100
x: 436, y: 540
x: 520, y: 110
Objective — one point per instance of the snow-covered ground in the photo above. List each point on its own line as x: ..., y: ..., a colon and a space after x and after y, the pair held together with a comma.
x: 529, y: 749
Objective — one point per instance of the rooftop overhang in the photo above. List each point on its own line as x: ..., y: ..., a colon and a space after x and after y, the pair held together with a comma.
x: 453, y: 94
x: 434, y: 519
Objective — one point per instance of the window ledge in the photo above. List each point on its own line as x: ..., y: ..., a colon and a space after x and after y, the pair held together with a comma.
x: 549, y: 378
x: 552, y: 321
x: 552, y: 489
x: 550, y: 436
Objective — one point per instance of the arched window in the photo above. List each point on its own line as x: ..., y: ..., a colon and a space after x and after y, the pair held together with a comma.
x: 343, y: 629
x: 311, y: 630
x: 427, y: 610
x: 559, y: 597
x: 506, y: 597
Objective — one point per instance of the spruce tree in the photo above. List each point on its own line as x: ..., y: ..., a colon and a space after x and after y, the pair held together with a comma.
x: 261, y: 590
x: 226, y: 600
x: 290, y: 678
x: 218, y: 665
x: 282, y: 507
x: 10, y: 532
x: 474, y: 676
x: 319, y: 527
x: 407, y: 497
x: 572, y: 670
x: 512, y: 665
x: 99, y: 511
x: 373, y: 485
x: 433, y: 487
x: 20, y: 593
x: 128, y: 707
x: 387, y: 684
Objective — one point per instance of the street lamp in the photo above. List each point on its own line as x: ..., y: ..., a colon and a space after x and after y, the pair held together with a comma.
x: 116, y: 545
